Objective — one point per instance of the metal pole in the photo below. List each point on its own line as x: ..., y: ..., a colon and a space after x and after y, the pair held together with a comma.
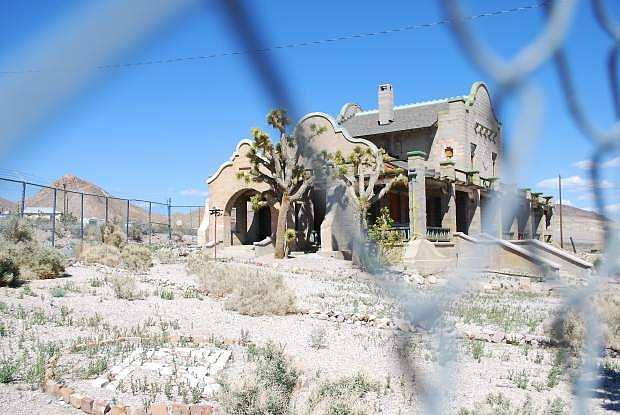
x: 23, y: 201
x: 169, y: 220
x: 54, y: 218
x: 561, y: 224
x: 215, y: 236
x: 106, y: 210
x: 127, y: 220
x: 82, y: 216
x: 150, y: 225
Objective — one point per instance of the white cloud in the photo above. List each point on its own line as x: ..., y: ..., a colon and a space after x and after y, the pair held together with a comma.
x: 567, y: 202
x: 194, y: 192
x: 615, y: 208
x: 574, y: 182
x: 587, y: 164
x: 586, y: 196
x: 583, y: 164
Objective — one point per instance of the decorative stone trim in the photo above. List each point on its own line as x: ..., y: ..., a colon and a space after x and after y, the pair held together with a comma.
x: 417, y: 154
x: 89, y: 405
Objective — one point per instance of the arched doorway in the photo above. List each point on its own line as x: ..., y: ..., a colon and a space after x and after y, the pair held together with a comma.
x: 246, y: 225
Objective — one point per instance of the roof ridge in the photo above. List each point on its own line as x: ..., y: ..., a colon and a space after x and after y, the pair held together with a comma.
x: 415, y: 104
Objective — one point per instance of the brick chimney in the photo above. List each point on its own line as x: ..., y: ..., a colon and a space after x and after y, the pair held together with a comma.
x: 386, y: 104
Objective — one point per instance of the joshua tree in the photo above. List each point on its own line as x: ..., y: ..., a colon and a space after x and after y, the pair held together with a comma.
x: 362, y: 172
x: 279, y: 166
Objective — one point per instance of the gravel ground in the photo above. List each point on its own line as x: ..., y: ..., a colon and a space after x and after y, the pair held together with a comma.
x: 400, y: 362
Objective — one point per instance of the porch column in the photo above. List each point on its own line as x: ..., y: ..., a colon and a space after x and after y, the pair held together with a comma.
x: 417, y: 194
x: 449, y: 217
x: 475, y: 226
x: 448, y: 175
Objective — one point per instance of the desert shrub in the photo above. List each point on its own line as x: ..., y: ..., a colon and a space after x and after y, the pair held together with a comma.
x: 342, y: 396
x: 137, y: 232
x: 46, y: 262
x: 9, y: 271
x: 16, y: 229
x: 569, y: 328
x: 167, y: 255
x: 101, y: 254
x: 198, y: 262
x: 261, y: 294
x: 111, y: 234
x: 609, y: 307
x: 35, y: 261
x: 318, y: 338
x: 266, y: 389
x: 132, y: 257
x: 126, y: 288
x: 136, y: 258
x: 248, y: 292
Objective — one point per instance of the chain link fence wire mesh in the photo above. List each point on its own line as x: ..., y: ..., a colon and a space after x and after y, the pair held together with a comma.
x: 512, y: 78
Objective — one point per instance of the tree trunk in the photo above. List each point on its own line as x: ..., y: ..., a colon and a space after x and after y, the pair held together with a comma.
x: 285, y: 205
x: 359, y: 249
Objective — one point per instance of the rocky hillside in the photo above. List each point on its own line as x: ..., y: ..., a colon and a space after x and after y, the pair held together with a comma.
x: 584, y: 226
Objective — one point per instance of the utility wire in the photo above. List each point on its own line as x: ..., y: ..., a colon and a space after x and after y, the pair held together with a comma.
x: 302, y: 44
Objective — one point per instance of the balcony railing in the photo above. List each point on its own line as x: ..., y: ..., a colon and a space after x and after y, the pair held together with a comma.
x: 437, y: 234
x: 403, y: 230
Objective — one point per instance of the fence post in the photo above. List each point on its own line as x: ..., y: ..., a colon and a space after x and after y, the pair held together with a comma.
x: 169, y: 220
x: 150, y: 224
x: 54, y: 218
x: 106, y: 210
x: 23, y: 201
x: 82, y: 216
x: 127, y: 221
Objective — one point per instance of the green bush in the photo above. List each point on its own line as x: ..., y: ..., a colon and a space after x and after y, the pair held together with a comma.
x: 267, y: 389
x: 167, y: 255
x: 342, y: 396
x: 9, y: 271
x: 387, y: 241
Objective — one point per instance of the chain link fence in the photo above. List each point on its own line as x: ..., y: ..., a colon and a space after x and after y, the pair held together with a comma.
x: 60, y: 216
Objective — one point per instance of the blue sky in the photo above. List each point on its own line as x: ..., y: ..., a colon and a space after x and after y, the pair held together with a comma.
x: 159, y: 131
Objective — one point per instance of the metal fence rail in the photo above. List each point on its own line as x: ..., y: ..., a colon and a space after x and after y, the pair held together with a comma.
x: 60, y: 213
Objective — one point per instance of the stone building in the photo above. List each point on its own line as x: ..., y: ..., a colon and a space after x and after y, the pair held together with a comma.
x: 451, y: 149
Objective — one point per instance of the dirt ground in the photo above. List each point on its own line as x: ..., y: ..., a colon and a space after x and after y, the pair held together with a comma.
x: 349, y: 323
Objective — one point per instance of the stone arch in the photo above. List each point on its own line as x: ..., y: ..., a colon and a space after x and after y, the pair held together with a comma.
x: 242, y: 225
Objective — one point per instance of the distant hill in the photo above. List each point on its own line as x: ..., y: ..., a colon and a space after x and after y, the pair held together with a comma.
x: 94, y: 206
x: 584, y: 226
x: 7, y: 205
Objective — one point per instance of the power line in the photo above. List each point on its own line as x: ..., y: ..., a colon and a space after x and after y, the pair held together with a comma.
x: 301, y: 44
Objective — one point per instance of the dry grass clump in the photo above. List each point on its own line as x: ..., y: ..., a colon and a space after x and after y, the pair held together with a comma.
x: 342, y: 396
x: 136, y: 258
x: 266, y: 389
x: 248, y: 292
x: 103, y: 254
x: 167, y: 255
x: 114, y: 252
x: 570, y: 331
x: 126, y: 288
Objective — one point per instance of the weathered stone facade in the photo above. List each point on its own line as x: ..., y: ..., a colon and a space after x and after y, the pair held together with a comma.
x: 451, y: 149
